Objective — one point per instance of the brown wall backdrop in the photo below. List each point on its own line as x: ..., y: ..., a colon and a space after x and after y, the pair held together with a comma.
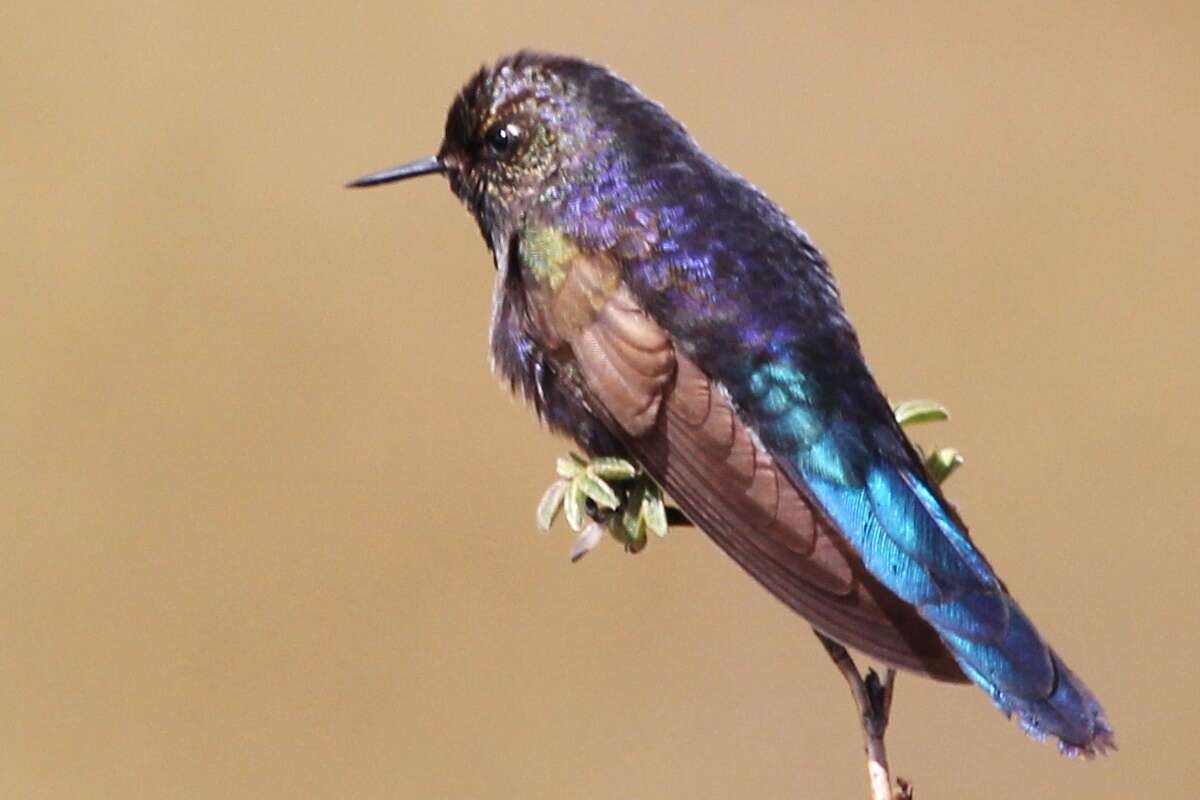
x: 267, y: 518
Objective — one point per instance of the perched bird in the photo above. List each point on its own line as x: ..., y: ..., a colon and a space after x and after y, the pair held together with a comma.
x: 658, y: 308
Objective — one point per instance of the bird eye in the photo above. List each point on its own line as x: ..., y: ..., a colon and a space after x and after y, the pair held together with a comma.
x: 501, y: 138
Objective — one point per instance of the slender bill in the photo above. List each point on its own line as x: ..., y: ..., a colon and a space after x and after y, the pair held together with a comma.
x: 425, y: 166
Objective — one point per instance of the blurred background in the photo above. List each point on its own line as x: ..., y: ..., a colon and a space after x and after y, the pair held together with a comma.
x: 268, y: 519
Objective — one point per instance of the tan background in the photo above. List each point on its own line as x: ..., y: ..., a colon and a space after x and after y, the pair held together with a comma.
x: 267, y: 519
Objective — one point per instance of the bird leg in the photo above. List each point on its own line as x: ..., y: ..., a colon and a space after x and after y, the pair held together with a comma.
x: 874, y: 700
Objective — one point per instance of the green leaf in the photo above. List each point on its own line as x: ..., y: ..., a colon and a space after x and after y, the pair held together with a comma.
x: 915, y: 412
x: 549, y: 505
x: 613, y: 469
x: 568, y: 466
x: 654, y: 511
x: 633, y: 527
x: 597, y: 489
x: 573, y: 507
x: 637, y: 545
x: 632, y: 522
x: 942, y: 463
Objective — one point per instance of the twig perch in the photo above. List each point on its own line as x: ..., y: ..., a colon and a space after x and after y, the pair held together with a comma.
x: 874, y: 700
x: 873, y: 696
x: 615, y: 495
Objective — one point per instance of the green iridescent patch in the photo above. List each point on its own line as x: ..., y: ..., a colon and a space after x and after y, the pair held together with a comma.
x: 545, y: 252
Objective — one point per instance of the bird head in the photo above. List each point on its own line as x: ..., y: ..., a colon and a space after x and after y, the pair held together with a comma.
x: 535, y: 129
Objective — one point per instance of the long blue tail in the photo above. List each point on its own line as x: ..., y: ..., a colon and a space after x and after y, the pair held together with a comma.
x: 871, y: 485
x: 913, y: 545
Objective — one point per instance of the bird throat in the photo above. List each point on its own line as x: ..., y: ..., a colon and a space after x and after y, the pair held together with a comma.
x: 546, y: 255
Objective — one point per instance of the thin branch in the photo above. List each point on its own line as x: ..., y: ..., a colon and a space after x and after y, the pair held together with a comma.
x: 874, y: 700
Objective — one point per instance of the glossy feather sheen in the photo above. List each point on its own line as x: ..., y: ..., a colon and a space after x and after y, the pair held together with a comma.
x: 683, y: 429
x: 671, y: 312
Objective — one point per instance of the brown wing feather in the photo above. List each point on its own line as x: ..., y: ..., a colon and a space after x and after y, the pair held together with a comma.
x: 628, y: 362
x: 683, y: 430
x: 784, y: 544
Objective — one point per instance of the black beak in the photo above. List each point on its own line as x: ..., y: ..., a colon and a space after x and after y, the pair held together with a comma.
x: 426, y: 166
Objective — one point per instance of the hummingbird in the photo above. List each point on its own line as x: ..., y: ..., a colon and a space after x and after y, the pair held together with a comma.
x: 656, y: 307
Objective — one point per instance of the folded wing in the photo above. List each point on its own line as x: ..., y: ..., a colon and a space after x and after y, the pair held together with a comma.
x: 683, y: 430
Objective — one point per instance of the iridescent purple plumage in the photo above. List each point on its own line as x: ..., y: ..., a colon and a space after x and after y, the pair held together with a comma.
x: 747, y: 298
